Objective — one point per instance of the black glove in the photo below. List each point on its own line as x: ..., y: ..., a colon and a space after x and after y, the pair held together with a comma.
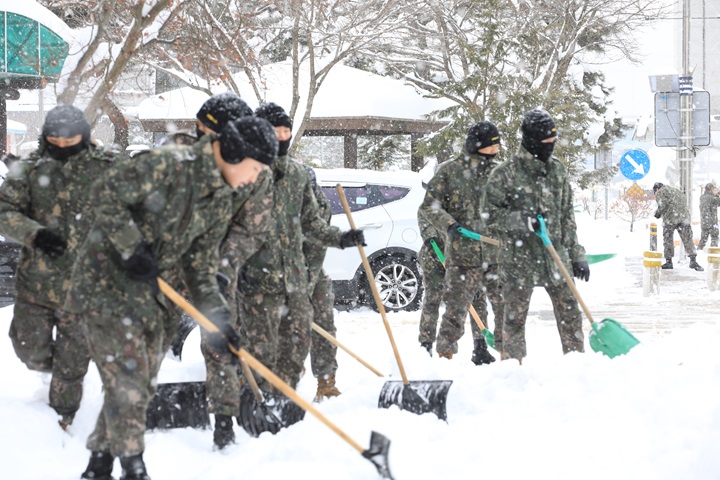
x: 581, y: 270
x: 658, y: 214
x: 220, y: 342
x: 452, y: 230
x: 142, y: 264
x: 49, y: 243
x: 352, y: 238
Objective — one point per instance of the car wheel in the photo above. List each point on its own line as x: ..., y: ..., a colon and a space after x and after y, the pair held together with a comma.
x: 398, y: 281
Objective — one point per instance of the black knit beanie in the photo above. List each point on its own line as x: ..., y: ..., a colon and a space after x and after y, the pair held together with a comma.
x: 248, y: 137
x: 219, y: 109
x: 65, y: 121
x: 481, y: 135
x: 538, y: 125
x: 275, y: 114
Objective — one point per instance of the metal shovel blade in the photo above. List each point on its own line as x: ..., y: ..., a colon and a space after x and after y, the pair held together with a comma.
x: 378, y: 454
x: 610, y: 338
x: 178, y: 405
x: 275, y: 413
x: 426, y: 396
x: 489, y: 338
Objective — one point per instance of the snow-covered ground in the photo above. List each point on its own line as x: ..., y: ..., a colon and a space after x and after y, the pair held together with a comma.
x: 653, y: 414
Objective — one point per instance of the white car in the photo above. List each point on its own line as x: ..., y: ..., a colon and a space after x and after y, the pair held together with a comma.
x: 384, y: 205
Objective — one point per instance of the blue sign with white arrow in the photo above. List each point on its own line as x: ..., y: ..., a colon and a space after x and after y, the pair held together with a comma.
x: 634, y: 164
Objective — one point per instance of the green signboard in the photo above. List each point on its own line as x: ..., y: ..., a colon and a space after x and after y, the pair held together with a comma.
x: 29, y: 49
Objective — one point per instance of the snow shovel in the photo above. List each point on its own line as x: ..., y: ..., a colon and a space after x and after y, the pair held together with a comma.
x: 608, y: 336
x: 326, y: 335
x: 598, y: 257
x: 377, y: 453
x: 255, y: 416
x: 489, y: 336
x: 427, y: 396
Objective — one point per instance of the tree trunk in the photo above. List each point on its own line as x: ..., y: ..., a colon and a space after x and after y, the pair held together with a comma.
x: 119, y: 122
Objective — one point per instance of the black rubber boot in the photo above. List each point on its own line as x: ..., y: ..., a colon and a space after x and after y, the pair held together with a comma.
x: 668, y: 264
x: 100, y: 466
x: 427, y: 346
x: 133, y: 468
x: 223, y: 435
x: 481, y: 355
x: 694, y: 265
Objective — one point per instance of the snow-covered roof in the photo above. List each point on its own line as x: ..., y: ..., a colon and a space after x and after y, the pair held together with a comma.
x: 34, y: 11
x: 346, y: 92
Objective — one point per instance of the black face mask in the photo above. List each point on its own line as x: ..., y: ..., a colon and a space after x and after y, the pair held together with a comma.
x: 64, y: 153
x: 542, y: 151
x: 284, y: 146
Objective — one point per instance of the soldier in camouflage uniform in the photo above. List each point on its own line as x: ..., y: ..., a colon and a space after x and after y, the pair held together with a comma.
x: 673, y: 209
x: 709, y: 203
x: 251, y: 221
x: 170, y: 206
x: 44, y: 205
x: 452, y: 201
x: 275, y: 310
x: 322, y: 352
x: 532, y: 183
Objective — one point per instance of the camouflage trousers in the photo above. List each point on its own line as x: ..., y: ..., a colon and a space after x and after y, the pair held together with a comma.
x: 222, y: 381
x: 433, y: 274
x: 294, y: 336
x: 322, y: 352
x: 258, y: 326
x: 713, y: 232
x: 66, y: 356
x: 517, y: 303
x: 127, y: 341
x: 686, y: 236
x: 465, y: 286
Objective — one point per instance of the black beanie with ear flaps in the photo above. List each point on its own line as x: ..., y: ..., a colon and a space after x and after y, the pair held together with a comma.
x: 248, y: 137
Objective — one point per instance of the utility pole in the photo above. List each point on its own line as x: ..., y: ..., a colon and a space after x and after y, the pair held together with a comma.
x: 686, y: 154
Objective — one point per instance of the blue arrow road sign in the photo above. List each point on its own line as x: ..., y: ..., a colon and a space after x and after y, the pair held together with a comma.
x: 634, y: 164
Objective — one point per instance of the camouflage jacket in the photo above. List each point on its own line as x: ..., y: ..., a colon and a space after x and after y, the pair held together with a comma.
x: 709, y: 203
x: 525, y: 186
x: 250, y: 225
x: 176, y: 199
x: 313, y: 249
x: 43, y: 192
x: 453, y: 196
x: 279, y: 266
x: 672, y: 206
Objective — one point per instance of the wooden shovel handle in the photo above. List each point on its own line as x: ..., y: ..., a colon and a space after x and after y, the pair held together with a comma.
x: 569, y: 280
x: 325, y: 334
x: 245, y: 357
x: 373, y: 287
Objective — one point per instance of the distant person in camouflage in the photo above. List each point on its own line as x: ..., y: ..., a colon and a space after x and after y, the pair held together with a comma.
x: 534, y: 182
x: 673, y: 209
x: 452, y: 201
x: 170, y: 206
x: 433, y: 275
x: 322, y: 353
x: 276, y: 313
x: 44, y: 205
x: 709, y: 203
x: 251, y: 221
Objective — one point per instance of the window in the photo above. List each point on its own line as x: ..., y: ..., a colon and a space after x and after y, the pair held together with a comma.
x: 367, y: 196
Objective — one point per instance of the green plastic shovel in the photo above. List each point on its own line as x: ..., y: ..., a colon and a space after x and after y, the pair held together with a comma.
x: 608, y: 336
x: 598, y: 257
x: 489, y: 337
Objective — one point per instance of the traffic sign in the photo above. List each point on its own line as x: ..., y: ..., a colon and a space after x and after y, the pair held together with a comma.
x: 634, y: 164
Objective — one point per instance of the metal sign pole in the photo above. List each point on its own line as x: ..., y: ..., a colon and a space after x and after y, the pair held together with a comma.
x: 685, y: 153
